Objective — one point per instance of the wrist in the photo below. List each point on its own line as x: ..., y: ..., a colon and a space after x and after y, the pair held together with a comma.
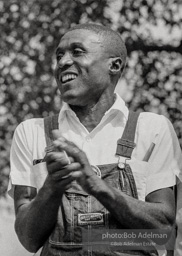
x: 51, y: 189
x: 95, y: 185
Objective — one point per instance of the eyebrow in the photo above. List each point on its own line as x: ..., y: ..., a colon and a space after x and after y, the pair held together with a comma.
x: 72, y: 45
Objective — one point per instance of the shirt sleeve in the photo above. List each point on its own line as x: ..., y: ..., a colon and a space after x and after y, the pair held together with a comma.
x: 165, y: 161
x: 21, y: 161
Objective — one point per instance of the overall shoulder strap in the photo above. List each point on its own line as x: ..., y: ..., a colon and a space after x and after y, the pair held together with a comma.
x: 126, y: 144
x: 50, y: 123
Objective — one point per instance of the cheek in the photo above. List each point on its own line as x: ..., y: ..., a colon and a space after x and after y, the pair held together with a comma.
x: 56, y: 74
x: 99, y: 75
x: 88, y: 65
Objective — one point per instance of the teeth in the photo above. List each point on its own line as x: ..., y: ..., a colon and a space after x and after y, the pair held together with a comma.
x: 68, y: 77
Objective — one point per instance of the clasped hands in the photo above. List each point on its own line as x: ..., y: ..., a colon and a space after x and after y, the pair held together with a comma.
x: 67, y: 163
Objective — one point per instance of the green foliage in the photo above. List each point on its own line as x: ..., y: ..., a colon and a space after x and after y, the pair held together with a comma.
x: 31, y: 30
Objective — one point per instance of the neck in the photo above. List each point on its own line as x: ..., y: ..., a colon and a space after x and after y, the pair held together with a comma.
x: 91, y: 114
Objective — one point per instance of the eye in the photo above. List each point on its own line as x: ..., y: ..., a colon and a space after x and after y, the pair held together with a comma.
x: 59, y: 55
x: 77, y: 51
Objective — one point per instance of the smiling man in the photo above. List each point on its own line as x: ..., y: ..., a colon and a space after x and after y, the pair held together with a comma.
x: 88, y: 69
x: 94, y: 173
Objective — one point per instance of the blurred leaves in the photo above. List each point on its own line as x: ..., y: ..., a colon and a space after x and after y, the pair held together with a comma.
x: 30, y: 33
x: 153, y: 34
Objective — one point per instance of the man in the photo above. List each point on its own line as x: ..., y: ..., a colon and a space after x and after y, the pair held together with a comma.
x: 54, y: 199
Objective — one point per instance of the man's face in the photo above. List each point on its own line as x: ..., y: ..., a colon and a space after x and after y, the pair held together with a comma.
x: 82, y: 71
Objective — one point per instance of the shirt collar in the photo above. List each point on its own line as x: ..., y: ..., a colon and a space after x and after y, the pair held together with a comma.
x: 119, y: 105
x: 65, y: 109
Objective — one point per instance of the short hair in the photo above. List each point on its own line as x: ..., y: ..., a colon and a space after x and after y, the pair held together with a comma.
x: 112, y: 39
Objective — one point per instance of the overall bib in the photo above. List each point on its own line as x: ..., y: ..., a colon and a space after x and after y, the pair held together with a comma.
x: 79, y: 213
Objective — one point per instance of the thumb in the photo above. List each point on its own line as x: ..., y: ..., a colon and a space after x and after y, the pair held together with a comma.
x: 56, y: 134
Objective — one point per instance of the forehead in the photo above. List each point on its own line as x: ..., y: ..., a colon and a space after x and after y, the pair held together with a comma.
x: 81, y: 36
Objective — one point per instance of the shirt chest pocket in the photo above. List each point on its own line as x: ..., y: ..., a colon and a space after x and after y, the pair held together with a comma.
x: 140, y: 170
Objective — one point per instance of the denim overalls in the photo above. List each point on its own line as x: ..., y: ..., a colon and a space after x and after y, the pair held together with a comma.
x: 80, y: 213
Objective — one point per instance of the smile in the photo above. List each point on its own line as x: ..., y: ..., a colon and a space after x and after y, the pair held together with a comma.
x: 68, y: 77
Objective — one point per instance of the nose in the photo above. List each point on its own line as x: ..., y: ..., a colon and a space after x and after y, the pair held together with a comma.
x: 65, y: 60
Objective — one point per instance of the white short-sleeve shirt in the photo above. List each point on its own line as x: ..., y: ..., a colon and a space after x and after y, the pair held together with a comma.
x: 100, y: 147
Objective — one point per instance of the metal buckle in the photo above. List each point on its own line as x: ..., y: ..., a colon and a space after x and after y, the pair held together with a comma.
x: 122, y: 162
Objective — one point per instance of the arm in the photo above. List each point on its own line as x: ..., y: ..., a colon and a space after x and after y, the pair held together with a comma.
x: 36, y: 213
x: 35, y: 216
x: 156, y: 213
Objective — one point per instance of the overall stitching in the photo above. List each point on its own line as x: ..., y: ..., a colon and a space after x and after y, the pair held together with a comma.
x: 121, y: 179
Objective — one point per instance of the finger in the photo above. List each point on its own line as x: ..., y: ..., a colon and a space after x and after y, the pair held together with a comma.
x: 77, y: 174
x: 56, y: 134
x: 67, y: 181
x: 54, y: 156
x: 65, y: 170
x: 60, y: 157
x: 73, y: 167
x: 55, y: 167
x: 72, y: 150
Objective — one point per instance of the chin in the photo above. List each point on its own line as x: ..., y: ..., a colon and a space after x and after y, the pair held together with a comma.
x: 71, y: 100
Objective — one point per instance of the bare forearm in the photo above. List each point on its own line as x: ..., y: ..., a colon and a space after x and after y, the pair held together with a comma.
x: 156, y: 212
x: 37, y: 213
x: 36, y: 219
x: 133, y: 213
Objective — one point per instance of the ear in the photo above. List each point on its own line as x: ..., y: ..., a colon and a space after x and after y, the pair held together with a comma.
x: 116, y: 66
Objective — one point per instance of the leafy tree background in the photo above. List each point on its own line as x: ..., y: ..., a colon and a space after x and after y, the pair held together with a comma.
x: 31, y: 30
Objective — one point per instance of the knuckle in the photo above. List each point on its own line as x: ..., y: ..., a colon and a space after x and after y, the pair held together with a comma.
x: 50, y: 157
x: 62, y: 160
x: 76, y: 150
x: 47, y: 157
